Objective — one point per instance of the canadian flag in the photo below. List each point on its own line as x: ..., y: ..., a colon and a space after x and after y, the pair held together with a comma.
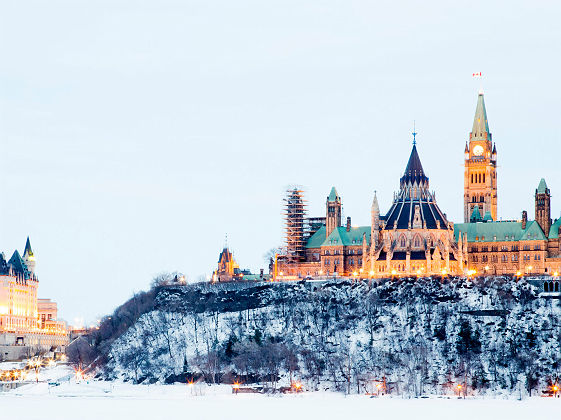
x: 477, y: 74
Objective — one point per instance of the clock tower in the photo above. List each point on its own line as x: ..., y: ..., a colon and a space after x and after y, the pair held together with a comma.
x: 480, y: 175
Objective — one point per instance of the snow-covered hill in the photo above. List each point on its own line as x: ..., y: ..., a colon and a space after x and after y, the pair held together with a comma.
x: 426, y: 336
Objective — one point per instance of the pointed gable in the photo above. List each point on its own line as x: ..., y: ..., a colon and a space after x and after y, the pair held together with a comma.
x: 475, y: 215
x: 533, y: 231
x: 354, y: 237
x: 18, y: 265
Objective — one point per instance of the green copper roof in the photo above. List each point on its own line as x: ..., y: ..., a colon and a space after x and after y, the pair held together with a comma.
x: 542, y: 188
x: 487, y: 217
x: 480, y: 124
x: 339, y: 237
x: 475, y: 215
x: 554, y: 230
x: 333, y: 195
x: 317, y: 238
x: 18, y: 264
x: 499, y: 231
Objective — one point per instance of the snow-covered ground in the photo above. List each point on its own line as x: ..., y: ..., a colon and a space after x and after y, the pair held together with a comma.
x: 101, y: 399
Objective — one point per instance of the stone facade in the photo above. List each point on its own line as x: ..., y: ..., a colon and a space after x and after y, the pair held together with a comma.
x: 413, y: 239
x: 480, y: 174
x: 27, y: 324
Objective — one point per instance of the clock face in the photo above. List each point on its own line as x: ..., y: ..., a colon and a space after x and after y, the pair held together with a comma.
x: 478, y: 150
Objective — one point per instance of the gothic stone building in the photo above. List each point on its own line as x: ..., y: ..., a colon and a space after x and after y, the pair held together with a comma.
x: 414, y: 238
x: 514, y: 247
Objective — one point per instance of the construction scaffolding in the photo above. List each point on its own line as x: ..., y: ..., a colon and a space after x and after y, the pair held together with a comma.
x: 296, y: 226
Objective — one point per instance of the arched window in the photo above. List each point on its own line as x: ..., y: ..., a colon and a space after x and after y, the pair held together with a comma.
x: 483, y: 177
x: 402, y: 241
x: 417, y: 241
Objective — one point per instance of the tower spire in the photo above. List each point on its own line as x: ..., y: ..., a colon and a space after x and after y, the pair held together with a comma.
x: 28, y: 251
x: 480, y: 129
x: 414, y: 134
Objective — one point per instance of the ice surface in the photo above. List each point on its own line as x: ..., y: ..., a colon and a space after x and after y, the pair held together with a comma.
x: 116, y: 400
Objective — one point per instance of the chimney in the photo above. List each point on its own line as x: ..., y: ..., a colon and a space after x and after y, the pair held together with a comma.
x: 348, y: 224
x: 524, y: 219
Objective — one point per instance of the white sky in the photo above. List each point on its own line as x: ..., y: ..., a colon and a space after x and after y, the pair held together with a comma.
x: 135, y: 134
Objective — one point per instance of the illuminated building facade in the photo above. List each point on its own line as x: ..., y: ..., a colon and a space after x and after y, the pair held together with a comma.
x: 26, y: 322
x: 513, y: 247
x: 228, y: 270
x: 480, y: 168
x: 414, y: 238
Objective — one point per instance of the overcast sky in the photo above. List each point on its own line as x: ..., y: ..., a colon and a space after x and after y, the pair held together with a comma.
x: 134, y: 135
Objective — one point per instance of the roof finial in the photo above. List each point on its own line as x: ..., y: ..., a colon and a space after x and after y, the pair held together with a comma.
x: 414, y: 134
x: 226, y: 240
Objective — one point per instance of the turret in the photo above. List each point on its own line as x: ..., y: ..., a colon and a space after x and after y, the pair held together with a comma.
x: 543, y: 207
x: 375, y: 222
x: 29, y: 256
x: 333, y: 212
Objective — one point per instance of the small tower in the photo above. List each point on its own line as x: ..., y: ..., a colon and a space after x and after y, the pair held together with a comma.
x: 543, y: 209
x: 480, y: 174
x: 375, y: 222
x: 29, y: 257
x: 333, y: 212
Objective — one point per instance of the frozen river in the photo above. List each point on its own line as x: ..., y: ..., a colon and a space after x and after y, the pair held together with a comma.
x: 104, y: 400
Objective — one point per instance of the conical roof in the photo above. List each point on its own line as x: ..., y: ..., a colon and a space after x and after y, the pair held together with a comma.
x: 18, y: 264
x: 414, y: 171
x: 542, y: 188
x: 333, y: 196
x: 28, y: 251
x: 480, y: 123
